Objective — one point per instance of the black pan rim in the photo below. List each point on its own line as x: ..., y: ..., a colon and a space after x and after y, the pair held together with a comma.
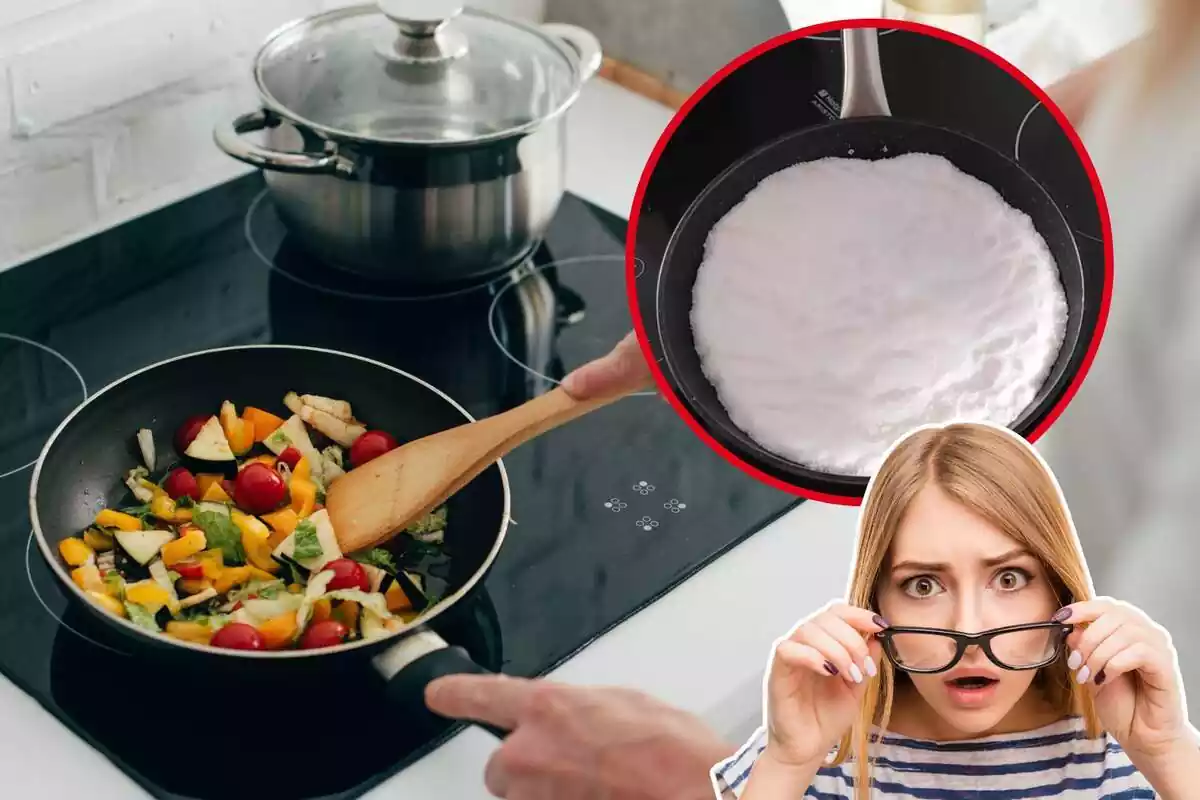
x: 794, y: 474
x: 278, y: 655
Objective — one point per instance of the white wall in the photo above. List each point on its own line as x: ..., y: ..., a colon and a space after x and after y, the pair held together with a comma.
x: 107, y: 106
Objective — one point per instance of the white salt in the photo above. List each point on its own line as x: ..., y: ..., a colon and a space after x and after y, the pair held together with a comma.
x: 844, y: 302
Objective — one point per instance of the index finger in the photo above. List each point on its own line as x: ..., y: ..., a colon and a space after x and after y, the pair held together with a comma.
x: 494, y: 699
x: 1085, y: 611
x: 861, y: 619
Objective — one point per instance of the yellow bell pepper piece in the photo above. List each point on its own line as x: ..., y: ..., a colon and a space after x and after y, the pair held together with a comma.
x: 110, y: 604
x: 266, y: 458
x: 256, y: 538
x: 230, y: 577
x: 75, y: 552
x: 304, y: 496
x: 278, y: 632
x: 88, y: 578
x: 322, y: 610
x: 396, y: 599
x: 216, y: 493
x: 212, y: 562
x: 194, y: 585
x: 259, y: 574
x: 190, y: 632
x: 163, y: 507
x: 97, y: 539
x: 282, y: 523
x: 238, y: 432
x: 303, y: 470
x: 148, y: 594
x: 116, y: 519
x: 205, y: 480
x: 185, y: 546
x: 295, y: 588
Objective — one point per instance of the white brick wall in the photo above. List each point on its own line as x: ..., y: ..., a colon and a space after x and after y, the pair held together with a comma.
x: 107, y: 106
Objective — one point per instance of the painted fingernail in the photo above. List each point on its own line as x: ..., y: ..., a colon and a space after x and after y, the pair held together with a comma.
x: 1062, y: 615
x: 870, y: 666
x: 856, y: 673
x: 830, y: 668
x: 1083, y: 674
x: 880, y: 621
x: 1100, y: 677
x: 1074, y: 660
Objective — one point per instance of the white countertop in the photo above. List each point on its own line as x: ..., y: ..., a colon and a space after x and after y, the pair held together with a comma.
x: 795, y: 565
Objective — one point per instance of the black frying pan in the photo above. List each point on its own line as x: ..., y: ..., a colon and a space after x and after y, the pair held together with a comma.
x: 84, y: 463
x: 866, y: 130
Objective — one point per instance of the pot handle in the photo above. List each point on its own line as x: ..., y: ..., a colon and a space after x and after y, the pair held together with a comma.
x: 229, y: 138
x: 863, y: 92
x: 583, y: 42
x: 413, y: 663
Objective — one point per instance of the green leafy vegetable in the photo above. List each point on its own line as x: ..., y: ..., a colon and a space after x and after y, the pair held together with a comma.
x: 432, y: 522
x: 377, y: 558
x: 137, y: 511
x: 173, y: 576
x: 296, y: 573
x: 185, y: 502
x: 308, y: 545
x: 219, y: 531
x: 141, y: 616
x: 320, y: 494
x: 270, y: 591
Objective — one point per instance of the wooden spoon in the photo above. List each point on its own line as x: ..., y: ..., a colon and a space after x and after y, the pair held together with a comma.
x: 372, y: 503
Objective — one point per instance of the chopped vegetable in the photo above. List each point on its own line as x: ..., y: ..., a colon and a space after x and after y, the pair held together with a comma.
x: 108, y: 603
x: 231, y: 577
x: 220, y: 532
x: 135, y: 479
x: 337, y: 408
x: 88, y: 578
x: 238, y: 432
x: 210, y: 443
x: 184, y: 547
x: 293, y: 434
x: 141, y: 617
x: 76, y: 552
x: 255, y: 541
x: 293, y: 402
x: 116, y: 519
x: 147, y: 594
x: 279, y: 631
x: 145, y: 440
x: 304, y: 496
x: 342, y: 432
x: 114, y: 584
x: 430, y: 527
x: 282, y: 523
x: 370, y: 446
x: 328, y: 633
x: 166, y: 579
x: 143, y: 546
x: 378, y: 558
x: 205, y: 480
x: 166, y: 509
x: 97, y: 539
x: 347, y: 613
x: 215, y: 493
x: 195, y: 632
x: 259, y: 489
x: 308, y: 545
x: 264, y: 422
x: 238, y: 636
x: 396, y: 599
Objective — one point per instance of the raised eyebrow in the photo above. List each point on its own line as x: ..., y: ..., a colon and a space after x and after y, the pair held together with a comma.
x: 920, y: 566
x: 1011, y: 555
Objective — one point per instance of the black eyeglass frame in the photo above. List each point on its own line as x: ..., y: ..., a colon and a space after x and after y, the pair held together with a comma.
x: 982, y: 640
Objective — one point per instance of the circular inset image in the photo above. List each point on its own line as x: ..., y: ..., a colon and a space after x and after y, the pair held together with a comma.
x: 821, y: 274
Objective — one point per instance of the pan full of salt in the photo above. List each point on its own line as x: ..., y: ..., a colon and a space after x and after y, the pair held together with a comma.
x: 847, y: 282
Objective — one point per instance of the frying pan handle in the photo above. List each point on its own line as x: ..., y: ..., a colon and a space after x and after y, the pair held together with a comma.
x: 863, y: 92
x: 415, y: 662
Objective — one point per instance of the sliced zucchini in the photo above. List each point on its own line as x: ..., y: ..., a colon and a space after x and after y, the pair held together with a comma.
x: 339, y: 430
x: 216, y: 508
x: 325, y: 535
x: 145, y: 440
x: 143, y: 546
x: 211, y: 447
x: 293, y: 434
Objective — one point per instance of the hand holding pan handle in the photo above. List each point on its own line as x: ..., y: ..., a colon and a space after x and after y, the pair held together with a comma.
x: 863, y: 93
x: 412, y: 664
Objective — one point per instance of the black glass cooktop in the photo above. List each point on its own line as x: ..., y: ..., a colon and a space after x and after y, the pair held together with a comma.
x: 799, y: 85
x: 610, y: 511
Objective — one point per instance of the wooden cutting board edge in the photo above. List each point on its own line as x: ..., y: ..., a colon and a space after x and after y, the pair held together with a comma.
x: 642, y: 83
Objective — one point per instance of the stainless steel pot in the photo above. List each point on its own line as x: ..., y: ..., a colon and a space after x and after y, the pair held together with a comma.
x: 415, y: 140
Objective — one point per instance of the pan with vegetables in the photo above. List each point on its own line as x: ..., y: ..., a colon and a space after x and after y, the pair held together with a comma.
x: 184, y: 506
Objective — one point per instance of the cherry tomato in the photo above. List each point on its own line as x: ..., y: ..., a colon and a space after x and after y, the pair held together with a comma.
x: 181, y: 482
x: 238, y: 636
x: 259, y: 489
x: 228, y: 486
x: 290, y: 456
x: 189, y: 570
x: 347, y: 574
x: 327, y: 633
x: 189, y: 430
x: 370, y: 445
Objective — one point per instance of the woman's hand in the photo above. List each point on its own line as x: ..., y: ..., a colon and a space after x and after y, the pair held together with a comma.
x: 1130, y: 662
x: 817, y: 679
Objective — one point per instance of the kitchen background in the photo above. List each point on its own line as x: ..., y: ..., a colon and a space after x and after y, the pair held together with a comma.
x: 107, y: 106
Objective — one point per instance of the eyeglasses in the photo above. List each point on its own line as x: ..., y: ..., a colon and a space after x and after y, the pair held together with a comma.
x: 1016, y: 647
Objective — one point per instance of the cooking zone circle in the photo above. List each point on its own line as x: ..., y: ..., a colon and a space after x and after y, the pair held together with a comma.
x: 595, y: 343
x: 38, y: 392
x: 46, y: 606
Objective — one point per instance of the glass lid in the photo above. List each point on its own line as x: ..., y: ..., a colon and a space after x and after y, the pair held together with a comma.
x: 416, y: 71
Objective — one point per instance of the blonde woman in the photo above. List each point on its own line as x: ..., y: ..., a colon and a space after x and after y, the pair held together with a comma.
x: 971, y: 656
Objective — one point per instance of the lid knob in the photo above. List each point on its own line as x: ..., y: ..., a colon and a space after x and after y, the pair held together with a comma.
x: 424, y: 37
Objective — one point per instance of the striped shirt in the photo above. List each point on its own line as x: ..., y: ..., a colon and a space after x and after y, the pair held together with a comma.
x: 1057, y: 761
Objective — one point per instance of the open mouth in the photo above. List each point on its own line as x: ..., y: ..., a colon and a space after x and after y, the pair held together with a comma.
x: 972, y: 683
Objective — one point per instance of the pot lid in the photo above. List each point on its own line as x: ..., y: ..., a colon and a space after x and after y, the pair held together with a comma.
x: 416, y: 71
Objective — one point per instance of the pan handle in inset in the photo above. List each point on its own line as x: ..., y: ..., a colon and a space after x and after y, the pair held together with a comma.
x: 863, y: 92
x: 413, y: 663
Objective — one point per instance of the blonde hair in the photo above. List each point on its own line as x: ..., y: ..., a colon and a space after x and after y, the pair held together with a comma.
x: 997, y: 476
